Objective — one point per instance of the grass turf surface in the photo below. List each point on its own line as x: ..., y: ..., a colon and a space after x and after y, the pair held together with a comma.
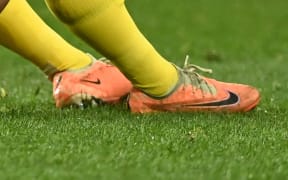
x: 242, y: 41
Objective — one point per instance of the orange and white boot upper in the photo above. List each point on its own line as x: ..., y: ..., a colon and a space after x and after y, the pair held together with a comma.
x: 195, y: 93
x: 101, y: 82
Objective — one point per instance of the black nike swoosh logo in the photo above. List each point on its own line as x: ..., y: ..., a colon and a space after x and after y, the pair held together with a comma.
x: 231, y: 100
x: 58, y: 81
x: 94, y: 82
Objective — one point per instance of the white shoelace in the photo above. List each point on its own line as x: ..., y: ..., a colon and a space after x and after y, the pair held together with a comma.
x: 192, y: 77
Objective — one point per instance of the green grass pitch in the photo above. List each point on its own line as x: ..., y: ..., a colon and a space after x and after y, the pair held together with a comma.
x: 243, y: 41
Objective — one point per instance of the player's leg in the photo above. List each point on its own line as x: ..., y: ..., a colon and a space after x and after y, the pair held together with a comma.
x: 108, y: 27
x: 25, y: 33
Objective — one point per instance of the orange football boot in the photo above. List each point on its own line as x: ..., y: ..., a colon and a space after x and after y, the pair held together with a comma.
x: 101, y: 82
x: 195, y: 93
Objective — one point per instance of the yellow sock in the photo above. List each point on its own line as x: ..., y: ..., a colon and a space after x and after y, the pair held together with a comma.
x: 22, y: 31
x: 107, y: 26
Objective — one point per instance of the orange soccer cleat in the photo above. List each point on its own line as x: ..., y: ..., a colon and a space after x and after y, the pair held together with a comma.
x: 197, y: 93
x: 99, y: 83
